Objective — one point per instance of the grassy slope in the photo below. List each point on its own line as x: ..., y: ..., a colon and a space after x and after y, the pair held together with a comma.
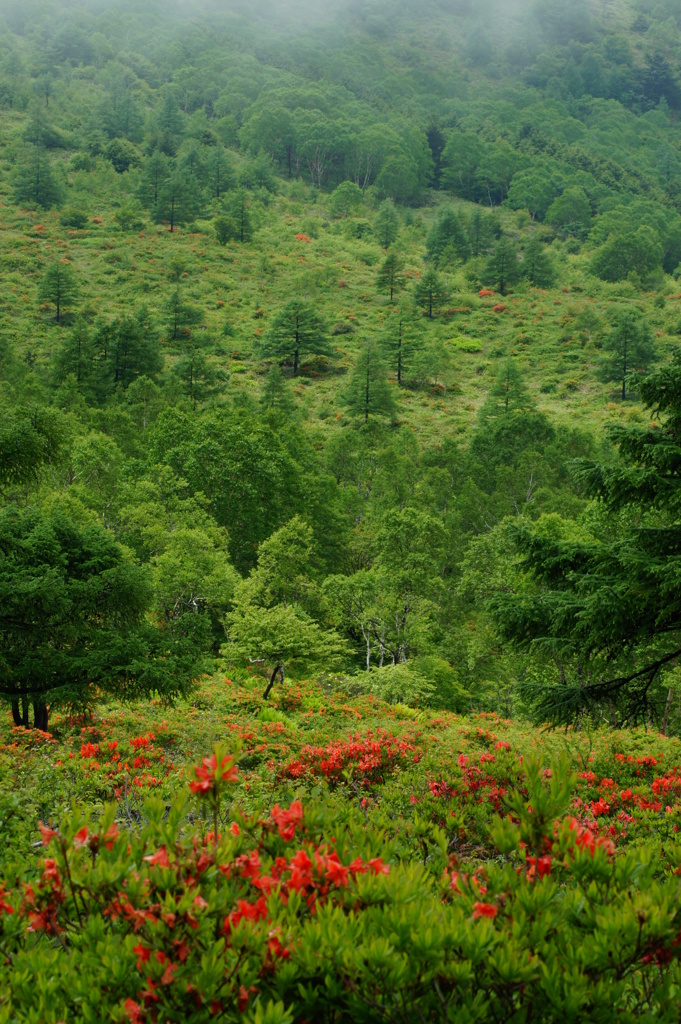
x: 243, y: 285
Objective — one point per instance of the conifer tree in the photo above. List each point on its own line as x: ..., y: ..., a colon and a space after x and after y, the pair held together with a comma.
x: 601, y: 605
x: 447, y: 240
x: 155, y: 174
x: 509, y: 392
x: 537, y: 266
x: 431, y: 292
x: 221, y: 177
x: 35, y: 184
x: 295, y: 330
x: 237, y: 207
x: 402, y: 339
x: 503, y: 267
x: 76, y: 356
x: 276, y: 399
x: 627, y: 348
x: 386, y: 224
x: 390, y: 276
x: 368, y: 392
x: 182, y: 316
x: 179, y: 199
x: 72, y: 614
x: 59, y: 287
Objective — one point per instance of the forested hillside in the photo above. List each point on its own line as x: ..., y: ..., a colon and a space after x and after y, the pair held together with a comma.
x: 340, y: 463
x: 351, y: 290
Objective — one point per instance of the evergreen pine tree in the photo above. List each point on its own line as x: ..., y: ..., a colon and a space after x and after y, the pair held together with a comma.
x: 386, y: 224
x: 390, y: 276
x: 155, y: 174
x: 276, y: 397
x: 447, y: 240
x: 430, y: 292
x: 537, y: 266
x: 182, y: 316
x: 627, y: 348
x: 295, y: 330
x: 368, y: 392
x: 75, y: 357
x: 35, y: 183
x: 221, y: 177
x: 237, y: 207
x: 602, y: 607
x: 59, y: 287
x: 402, y: 339
x: 179, y: 199
x: 503, y: 267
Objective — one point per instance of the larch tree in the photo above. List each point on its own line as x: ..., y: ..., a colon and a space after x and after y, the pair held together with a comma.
x: 390, y: 275
x: 296, y: 330
x: 368, y: 392
x: 627, y: 349
x: 431, y: 293
x: 59, y: 287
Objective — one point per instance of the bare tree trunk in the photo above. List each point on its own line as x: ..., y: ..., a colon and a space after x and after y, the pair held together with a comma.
x: 40, y: 715
x: 278, y: 668
x: 664, y: 724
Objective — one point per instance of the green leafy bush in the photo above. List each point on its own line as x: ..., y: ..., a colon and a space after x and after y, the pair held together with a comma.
x: 299, y: 913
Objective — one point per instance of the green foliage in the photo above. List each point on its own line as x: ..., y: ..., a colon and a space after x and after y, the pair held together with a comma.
x: 403, y: 341
x: 628, y: 349
x: 503, y: 268
x: 386, y: 224
x: 555, y: 923
x: 345, y: 199
x: 59, y: 287
x: 296, y: 330
x: 237, y: 210
x: 74, y: 615
x: 431, y: 293
x: 178, y: 200
x: 570, y: 213
x: 390, y: 277
x: 367, y: 392
x: 537, y: 266
x: 271, y: 616
x: 638, y: 252
x: 602, y: 604
x: 35, y: 183
x: 72, y: 218
x: 447, y: 241
x: 226, y: 229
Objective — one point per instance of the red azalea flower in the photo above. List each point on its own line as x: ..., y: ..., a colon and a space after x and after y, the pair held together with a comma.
x: 484, y: 910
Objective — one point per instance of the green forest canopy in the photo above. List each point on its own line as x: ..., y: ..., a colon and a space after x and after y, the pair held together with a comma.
x: 382, y: 272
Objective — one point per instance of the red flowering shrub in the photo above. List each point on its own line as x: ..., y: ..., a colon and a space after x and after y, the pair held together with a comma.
x: 303, y: 914
x: 366, y: 759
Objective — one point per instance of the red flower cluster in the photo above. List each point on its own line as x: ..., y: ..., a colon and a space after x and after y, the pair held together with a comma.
x: 209, y: 773
x: 369, y: 758
x: 287, y: 820
x: 586, y: 840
